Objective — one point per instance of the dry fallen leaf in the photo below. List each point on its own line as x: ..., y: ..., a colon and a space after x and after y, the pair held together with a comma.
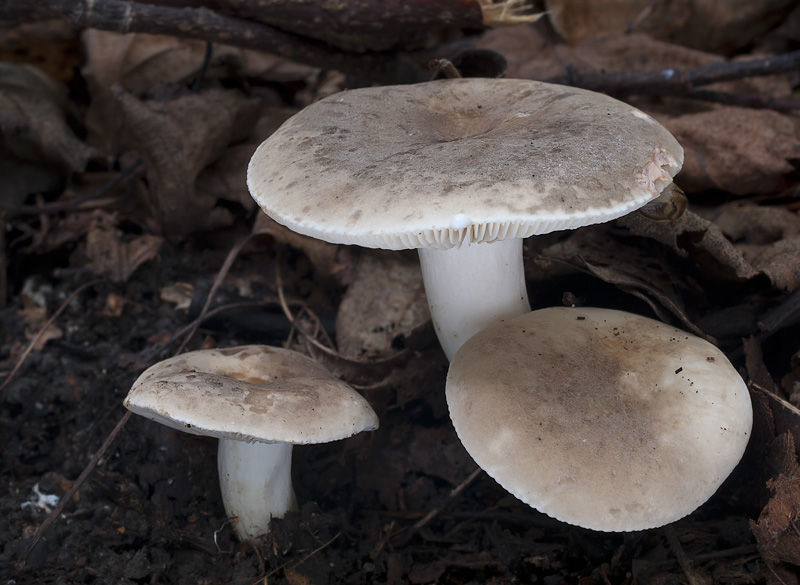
x: 37, y: 146
x: 693, y: 236
x: 178, y: 138
x: 50, y: 333
x: 776, y: 530
x: 578, y: 21
x: 738, y: 150
x: 631, y: 269
x: 386, y: 300
x: 781, y: 263
x: 755, y: 224
x: 329, y: 260
x: 179, y: 293
x: 138, y: 61
x: 725, y: 25
x: 531, y: 55
x: 33, y: 122
x: 108, y: 255
x: 226, y: 178
x: 712, y: 25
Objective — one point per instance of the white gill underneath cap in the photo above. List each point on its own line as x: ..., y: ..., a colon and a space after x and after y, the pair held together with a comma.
x: 250, y: 393
x: 600, y: 418
x: 455, y: 161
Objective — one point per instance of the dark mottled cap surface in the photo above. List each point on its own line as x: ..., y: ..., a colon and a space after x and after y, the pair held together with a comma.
x: 250, y: 393
x: 442, y: 163
x: 600, y: 418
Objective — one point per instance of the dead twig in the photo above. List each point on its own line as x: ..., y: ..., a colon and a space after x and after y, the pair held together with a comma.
x: 685, y: 563
x: 74, y: 488
x: 59, y: 206
x: 202, y: 24
x: 453, y: 493
x: 746, y: 100
x: 223, y: 271
x: 677, y: 81
x: 42, y: 330
x: 314, y: 342
x: 317, y: 550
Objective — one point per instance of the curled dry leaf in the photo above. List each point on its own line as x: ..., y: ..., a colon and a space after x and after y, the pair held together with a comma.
x: 110, y: 254
x: 776, y: 530
x: 226, y: 178
x: 768, y: 238
x: 50, y: 333
x: 33, y: 122
x: 179, y: 293
x: 781, y: 263
x: 631, y: 269
x: 738, y: 150
x: 703, y: 240
x: 37, y: 146
x: 385, y: 300
x: 755, y: 224
x: 698, y: 237
x: 725, y: 25
x: 329, y: 260
x: 178, y: 138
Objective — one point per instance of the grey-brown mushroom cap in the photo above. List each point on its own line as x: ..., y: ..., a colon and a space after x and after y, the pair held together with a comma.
x: 250, y: 393
x: 599, y: 418
x: 454, y: 161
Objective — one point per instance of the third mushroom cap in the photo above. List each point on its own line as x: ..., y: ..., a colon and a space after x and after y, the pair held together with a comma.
x: 600, y: 418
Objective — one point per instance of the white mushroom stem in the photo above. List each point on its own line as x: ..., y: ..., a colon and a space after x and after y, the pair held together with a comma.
x: 256, y: 484
x: 473, y: 286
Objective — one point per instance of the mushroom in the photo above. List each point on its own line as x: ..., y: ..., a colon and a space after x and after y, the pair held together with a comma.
x: 463, y: 170
x: 599, y: 418
x: 258, y: 401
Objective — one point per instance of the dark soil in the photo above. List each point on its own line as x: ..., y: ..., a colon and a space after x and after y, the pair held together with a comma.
x: 151, y: 510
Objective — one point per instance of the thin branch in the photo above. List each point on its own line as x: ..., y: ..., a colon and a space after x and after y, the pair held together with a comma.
x: 313, y: 341
x: 59, y: 206
x: 453, y: 493
x: 223, y: 271
x: 676, y: 81
x: 42, y: 330
x: 685, y: 563
x: 75, y: 487
x: 746, y: 100
x: 202, y: 24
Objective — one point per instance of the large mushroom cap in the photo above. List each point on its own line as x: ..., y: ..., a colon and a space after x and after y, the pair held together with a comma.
x: 250, y: 393
x: 452, y: 161
x: 599, y: 418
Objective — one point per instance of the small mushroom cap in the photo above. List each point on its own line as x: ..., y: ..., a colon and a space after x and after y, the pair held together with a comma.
x: 250, y: 393
x: 456, y: 161
x: 600, y: 418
